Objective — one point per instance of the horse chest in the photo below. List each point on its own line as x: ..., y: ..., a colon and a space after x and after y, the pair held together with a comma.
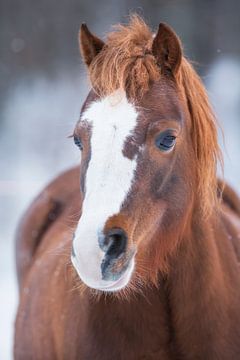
x: 112, y: 329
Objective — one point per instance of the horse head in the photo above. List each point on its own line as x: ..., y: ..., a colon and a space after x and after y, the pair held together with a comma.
x: 148, y: 156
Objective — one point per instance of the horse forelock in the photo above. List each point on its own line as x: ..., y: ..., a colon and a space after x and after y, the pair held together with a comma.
x: 126, y: 61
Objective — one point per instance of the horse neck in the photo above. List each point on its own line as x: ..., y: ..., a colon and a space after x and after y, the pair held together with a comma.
x: 198, y: 264
x: 200, y: 285
x: 199, y: 254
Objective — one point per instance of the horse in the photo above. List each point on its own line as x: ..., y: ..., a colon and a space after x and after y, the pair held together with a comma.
x: 135, y: 253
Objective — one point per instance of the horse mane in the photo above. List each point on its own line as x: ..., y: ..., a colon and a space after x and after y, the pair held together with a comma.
x: 126, y: 62
x: 204, y: 137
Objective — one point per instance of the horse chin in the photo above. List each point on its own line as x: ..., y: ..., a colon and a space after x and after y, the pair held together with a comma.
x: 121, y: 283
x: 107, y: 286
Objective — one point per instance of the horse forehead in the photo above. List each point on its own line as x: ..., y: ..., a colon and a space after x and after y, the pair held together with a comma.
x: 162, y: 102
x: 112, y: 114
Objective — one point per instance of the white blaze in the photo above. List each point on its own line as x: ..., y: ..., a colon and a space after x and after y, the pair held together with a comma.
x: 108, y: 181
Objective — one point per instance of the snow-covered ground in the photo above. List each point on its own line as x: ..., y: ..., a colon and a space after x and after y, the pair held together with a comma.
x: 34, y: 147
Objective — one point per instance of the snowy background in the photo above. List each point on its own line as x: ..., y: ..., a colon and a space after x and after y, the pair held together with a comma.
x: 43, y: 85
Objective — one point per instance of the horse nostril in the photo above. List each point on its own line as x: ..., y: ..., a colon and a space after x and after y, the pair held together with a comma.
x: 115, y: 242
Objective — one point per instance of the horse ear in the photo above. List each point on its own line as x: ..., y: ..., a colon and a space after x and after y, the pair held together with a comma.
x: 90, y: 45
x: 167, y: 49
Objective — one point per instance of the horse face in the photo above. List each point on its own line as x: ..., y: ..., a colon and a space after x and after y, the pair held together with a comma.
x: 137, y: 168
x: 134, y: 180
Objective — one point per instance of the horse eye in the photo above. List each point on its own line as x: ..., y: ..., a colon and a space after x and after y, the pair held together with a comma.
x: 78, y: 142
x: 165, y: 141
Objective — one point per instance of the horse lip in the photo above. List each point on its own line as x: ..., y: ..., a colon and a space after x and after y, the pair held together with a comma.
x: 111, y: 286
x: 108, y: 264
x: 120, y: 283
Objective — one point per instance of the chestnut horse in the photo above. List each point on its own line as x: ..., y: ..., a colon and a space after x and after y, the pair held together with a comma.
x: 136, y: 255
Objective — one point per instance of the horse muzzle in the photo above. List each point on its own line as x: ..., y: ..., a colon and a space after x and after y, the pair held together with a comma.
x: 107, y: 267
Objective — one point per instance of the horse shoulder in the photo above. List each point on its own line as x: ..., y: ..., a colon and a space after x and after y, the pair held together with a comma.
x: 231, y: 218
x: 48, y: 298
x: 230, y: 197
x: 41, y: 215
